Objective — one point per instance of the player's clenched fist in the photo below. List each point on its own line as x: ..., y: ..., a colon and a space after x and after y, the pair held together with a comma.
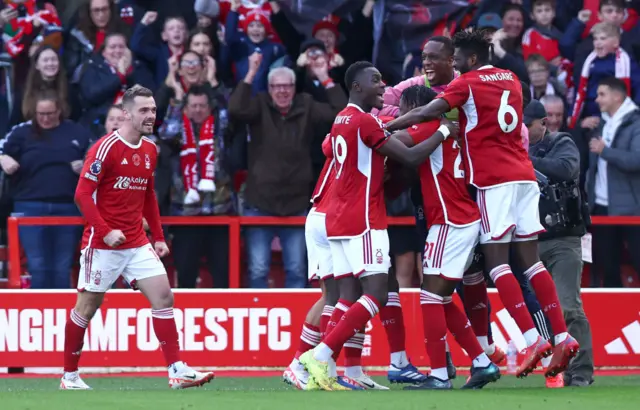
x: 115, y: 238
x: 161, y: 249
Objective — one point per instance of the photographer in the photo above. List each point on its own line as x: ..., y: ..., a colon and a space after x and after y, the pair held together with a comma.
x: 556, y: 157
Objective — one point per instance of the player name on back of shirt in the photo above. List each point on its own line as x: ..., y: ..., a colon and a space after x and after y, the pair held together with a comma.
x: 504, y: 76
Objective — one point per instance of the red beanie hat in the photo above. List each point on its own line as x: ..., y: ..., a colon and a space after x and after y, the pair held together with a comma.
x: 330, y: 23
x: 255, y: 15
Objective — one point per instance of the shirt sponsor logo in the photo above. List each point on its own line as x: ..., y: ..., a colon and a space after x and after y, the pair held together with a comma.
x: 136, y: 183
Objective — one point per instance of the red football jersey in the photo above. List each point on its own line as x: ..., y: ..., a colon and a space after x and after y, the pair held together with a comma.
x: 357, y: 197
x: 119, y: 178
x: 444, y: 190
x: 490, y: 106
x: 322, y: 191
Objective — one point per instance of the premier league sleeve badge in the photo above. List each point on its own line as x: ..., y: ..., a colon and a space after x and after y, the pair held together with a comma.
x: 96, y: 167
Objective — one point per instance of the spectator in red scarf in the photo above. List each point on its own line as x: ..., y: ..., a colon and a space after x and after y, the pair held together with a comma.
x: 106, y: 76
x: 96, y: 18
x: 144, y: 43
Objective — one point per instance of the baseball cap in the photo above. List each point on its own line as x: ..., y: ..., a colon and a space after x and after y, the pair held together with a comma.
x: 491, y: 20
x: 534, y: 111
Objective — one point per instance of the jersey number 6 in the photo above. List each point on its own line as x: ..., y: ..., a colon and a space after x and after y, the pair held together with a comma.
x: 505, y: 109
x: 339, y: 152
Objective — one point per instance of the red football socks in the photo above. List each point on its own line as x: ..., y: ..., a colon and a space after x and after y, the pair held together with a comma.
x: 74, y: 332
x: 435, y: 328
x: 309, y: 338
x: 547, y: 295
x: 164, y: 327
x: 511, y: 296
x: 355, y: 318
x: 476, y: 302
x: 461, y: 329
x: 393, y: 323
x: 353, y: 350
x: 327, y: 312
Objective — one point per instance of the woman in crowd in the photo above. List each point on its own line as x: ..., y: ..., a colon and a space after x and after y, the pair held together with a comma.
x: 44, y: 157
x: 106, y: 76
x: 45, y: 73
x: 96, y: 18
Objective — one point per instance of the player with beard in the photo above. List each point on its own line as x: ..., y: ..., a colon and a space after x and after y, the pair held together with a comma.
x: 114, y: 193
x: 496, y: 163
x: 356, y: 217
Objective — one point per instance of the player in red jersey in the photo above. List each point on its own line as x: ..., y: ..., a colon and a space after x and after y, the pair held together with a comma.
x: 453, y: 222
x: 356, y: 218
x: 320, y: 269
x: 114, y: 193
x: 490, y: 103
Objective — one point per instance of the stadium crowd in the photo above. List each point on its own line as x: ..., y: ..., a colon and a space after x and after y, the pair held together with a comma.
x: 246, y: 94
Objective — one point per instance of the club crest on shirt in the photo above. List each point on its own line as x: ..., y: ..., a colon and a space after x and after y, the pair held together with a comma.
x: 96, y: 167
x: 379, y: 256
x: 136, y: 159
x: 147, y: 161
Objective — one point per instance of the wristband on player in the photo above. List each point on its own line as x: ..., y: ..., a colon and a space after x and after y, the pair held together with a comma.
x: 444, y: 130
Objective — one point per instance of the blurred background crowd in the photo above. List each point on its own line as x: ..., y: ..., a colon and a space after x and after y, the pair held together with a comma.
x: 264, y: 80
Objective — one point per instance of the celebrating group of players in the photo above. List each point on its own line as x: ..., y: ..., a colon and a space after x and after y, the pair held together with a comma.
x: 348, y: 245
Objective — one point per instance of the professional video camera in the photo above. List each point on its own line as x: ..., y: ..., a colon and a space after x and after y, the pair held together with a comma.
x: 562, y: 208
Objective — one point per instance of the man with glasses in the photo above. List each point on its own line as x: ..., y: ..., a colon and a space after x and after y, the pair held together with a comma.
x: 279, y: 182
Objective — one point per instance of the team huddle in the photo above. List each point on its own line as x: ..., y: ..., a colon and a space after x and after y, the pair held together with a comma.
x: 478, y: 187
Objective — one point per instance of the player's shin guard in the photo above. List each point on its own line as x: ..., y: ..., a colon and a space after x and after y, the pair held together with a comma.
x: 511, y: 296
x: 74, y: 332
x: 393, y: 323
x: 325, y: 318
x: 435, y: 332
x: 461, y: 329
x: 355, y: 318
x: 545, y: 289
x: 476, y: 302
x: 164, y: 326
x: 340, y: 309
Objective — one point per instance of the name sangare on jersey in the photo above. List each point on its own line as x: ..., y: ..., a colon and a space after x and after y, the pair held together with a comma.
x: 490, y: 103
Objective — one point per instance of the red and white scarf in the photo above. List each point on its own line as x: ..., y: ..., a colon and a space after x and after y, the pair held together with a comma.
x: 123, y: 82
x: 623, y: 72
x: 190, y: 162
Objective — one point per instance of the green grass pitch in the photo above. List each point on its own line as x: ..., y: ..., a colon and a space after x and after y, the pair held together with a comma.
x: 270, y: 393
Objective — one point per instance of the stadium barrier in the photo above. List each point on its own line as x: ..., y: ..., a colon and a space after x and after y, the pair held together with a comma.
x: 233, y: 222
x: 253, y: 329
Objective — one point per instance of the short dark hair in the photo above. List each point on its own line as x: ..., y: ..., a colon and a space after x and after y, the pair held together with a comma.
x: 512, y: 6
x: 417, y: 95
x: 537, y: 59
x: 476, y: 42
x: 617, y: 3
x: 446, y: 42
x: 615, y: 84
x: 189, y: 51
x: 353, y: 71
x: 551, y: 3
x: 110, y: 35
x: 133, y: 92
x: 197, y: 90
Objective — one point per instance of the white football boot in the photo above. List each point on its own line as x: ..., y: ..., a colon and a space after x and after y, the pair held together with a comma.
x: 367, y: 383
x: 182, y: 376
x: 72, y: 381
x: 296, y: 376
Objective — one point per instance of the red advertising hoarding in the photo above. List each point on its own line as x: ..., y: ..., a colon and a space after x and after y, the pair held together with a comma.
x: 245, y: 328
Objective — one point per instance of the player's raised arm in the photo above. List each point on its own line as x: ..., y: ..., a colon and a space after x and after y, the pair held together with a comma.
x: 434, y: 110
x: 92, y: 173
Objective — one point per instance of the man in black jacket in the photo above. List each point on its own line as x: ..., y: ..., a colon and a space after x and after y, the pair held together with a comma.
x: 556, y: 156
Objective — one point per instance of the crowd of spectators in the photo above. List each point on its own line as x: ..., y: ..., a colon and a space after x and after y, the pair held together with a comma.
x: 240, y: 76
